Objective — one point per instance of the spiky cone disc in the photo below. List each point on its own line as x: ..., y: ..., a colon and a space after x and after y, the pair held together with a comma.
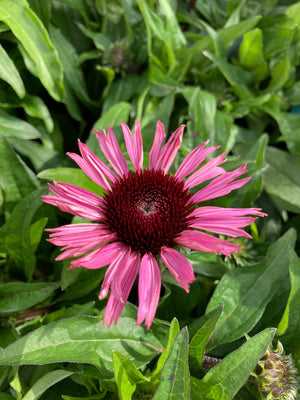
x: 276, y: 375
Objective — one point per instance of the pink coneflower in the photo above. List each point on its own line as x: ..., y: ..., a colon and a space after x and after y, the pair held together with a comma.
x: 145, y: 215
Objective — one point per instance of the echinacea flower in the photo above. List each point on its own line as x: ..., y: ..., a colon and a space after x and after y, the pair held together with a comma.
x: 145, y: 215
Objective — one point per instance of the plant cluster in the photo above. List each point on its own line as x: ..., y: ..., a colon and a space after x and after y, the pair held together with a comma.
x: 228, y: 70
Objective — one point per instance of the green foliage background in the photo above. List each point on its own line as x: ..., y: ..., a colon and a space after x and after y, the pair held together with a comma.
x: 229, y: 70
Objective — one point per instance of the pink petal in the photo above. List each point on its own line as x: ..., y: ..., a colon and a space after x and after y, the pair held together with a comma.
x: 207, y: 171
x: 115, y: 304
x: 93, y: 167
x: 203, y: 242
x: 134, y: 145
x: 75, y: 200
x: 111, y: 149
x: 78, y: 239
x: 170, y: 149
x: 179, y: 266
x: 219, y: 212
x: 120, y: 270
x: 193, y: 160
x: 154, y: 155
x: 149, y: 289
x: 100, y: 257
x: 226, y: 221
x: 221, y: 185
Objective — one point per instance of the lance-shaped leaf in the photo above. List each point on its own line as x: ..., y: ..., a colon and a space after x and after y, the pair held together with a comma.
x: 17, y: 296
x: 10, y: 74
x: 85, y: 339
x: 289, y: 326
x: 224, y: 380
x: 30, y: 31
x: 245, y: 292
x: 175, y: 376
x: 45, y: 383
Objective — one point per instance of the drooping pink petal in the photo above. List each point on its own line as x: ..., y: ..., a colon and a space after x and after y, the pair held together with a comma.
x: 221, y: 185
x: 75, y: 200
x: 225, y: 221
x: 78, y: 239
x: 111, y: 149
x: 154, y: 155
x: 124, y: 267
x: 208, y: 171
x: 134, y: 145
x: 100, y: 257
x: 203, y: 242
x: 115, y: 304
x: 220, y: 212
x: 171, y: 148
x: 93, y: 167
x: 193, y: 160
x: 179, y: 266
x: 149, y: 289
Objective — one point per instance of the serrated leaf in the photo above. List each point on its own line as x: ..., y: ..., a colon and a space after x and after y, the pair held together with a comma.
x: 17, y: 296
x: 73, y: 76
x: 44, y: 383
x: 251, y: 54
x: 30, y: 31
x: 173, y: 332
x: 85, y: 339
x: 10, y: 74
x: 75, y: 176
x: 289, y: 326
x: 202, y: 110
x: 200, y: 332
x: 16, y: 127
x: 15, y: 233
x: 233, y: 73
x: 175, y: 375
x: 245, y: 292
x: 16, y: 179
x: 224, y: 380
x: 282, y: 179
x: 127, y: 376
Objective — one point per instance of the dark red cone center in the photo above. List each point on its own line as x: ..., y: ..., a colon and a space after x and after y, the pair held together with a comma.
x: 147, y: 210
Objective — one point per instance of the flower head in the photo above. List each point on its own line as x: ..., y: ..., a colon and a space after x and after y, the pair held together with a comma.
x: 276, y: 375
x: 145, y: 215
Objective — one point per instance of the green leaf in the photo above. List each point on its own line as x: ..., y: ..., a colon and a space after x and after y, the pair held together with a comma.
x: 45, y: 383
x: 16, y: 127
x: 16, y: 179
x: 15, y: 234
x: 234, y: 74
x: 282, y: 179
x: 224, y: 380
x: 85, y: 339
x: 35, y: 107
x: 10, y: 74
x: 228, y: 35
x: 30, y: 31
x: 127, y: 376
x: 202, y: 110
x: 200, y: 331
x: 75, y: 176
x: 17, y: 296
x: 73, y: 76
x: 289, y: 326
x: 245, y: 292
x: 251, y: 54
x: 175, y: 375
x: 174, y: 329
x: 280, y: 72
